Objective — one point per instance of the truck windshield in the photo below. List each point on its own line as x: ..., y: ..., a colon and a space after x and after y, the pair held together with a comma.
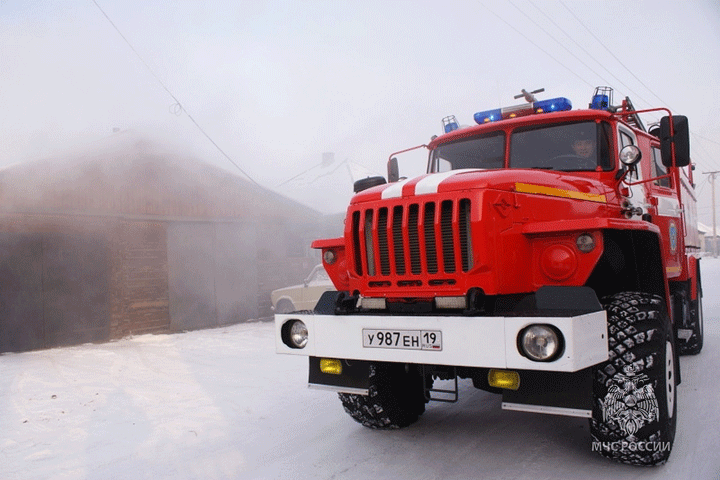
x: 484, y: 152
x: 565, y: 147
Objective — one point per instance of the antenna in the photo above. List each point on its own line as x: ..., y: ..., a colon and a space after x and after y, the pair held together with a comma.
x: 529, y: 96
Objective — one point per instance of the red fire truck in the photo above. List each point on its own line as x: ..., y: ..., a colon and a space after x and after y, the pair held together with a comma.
x: 548, y: 255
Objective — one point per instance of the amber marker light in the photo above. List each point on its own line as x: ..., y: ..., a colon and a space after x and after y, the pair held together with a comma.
x: 330, y: 366
x: 506, y: 379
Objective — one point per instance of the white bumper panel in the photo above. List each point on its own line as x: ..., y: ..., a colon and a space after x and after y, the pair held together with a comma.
x: 466, y: 341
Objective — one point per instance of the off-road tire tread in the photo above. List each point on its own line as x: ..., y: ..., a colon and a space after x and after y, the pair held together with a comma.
x: 395, y: 398
x: 638, y: 327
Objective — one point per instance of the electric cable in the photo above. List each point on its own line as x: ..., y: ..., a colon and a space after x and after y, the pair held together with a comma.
x: 177, y: 107
x: 557, y: 41
x: 634, y: 93
x: 536, y: 45
x: 559, y: 27
x: 613, y: 55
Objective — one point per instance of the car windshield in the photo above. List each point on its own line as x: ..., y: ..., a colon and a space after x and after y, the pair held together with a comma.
x: 484, y: 152
x: 566, y: 147
x: 318, y: 275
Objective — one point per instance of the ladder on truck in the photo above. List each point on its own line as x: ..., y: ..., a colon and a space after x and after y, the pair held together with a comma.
x: 632, y: 119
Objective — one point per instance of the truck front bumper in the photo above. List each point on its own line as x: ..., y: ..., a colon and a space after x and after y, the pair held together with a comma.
x: 489, y: 342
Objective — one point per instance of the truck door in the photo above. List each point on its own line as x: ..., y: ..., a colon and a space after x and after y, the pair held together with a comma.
x: 637, y: 193
x: 666, y: 213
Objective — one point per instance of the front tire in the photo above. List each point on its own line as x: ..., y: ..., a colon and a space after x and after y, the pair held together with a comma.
x: 396, y: 397
x: 635, y: 398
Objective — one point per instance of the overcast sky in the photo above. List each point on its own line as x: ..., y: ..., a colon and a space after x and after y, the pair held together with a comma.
x: 277, y: 83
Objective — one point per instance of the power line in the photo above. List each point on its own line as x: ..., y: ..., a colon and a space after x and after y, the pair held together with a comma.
x: 536, y: 45
x: 703, y: 183
x: 706, y: 139
x: 619, y: 61
x: 611, y: 53
x: 568, y: 50
x: 557, y: 41
x: 177, y: 107
x: 559, y: 27
x: 707, y: 158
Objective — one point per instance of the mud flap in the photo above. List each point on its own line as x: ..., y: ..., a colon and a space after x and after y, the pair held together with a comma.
x: 557, y: 393
x: 353, y: 379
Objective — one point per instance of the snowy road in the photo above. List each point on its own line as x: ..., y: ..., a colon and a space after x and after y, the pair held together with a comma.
x: 220, y: 404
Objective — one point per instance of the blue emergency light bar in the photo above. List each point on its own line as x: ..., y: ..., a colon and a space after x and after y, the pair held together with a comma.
x: 543, y: 106
x: 488, y: 116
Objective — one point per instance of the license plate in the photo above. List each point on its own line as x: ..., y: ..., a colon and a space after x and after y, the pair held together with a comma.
x: 403, y: 339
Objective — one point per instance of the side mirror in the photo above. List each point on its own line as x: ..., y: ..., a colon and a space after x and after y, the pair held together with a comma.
x: 681, y: 139
x: 393, y: 170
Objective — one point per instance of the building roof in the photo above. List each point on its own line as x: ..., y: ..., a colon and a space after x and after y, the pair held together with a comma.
x: 703, y: 229
x: 128, y: 174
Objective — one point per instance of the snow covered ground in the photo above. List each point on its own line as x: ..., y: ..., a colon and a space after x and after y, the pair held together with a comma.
x: 220, y: 404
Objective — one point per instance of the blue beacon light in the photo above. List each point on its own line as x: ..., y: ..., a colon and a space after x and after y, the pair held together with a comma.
x: 600, y: 102
x: 450, y: 123
x: 553, y: 105
x: 544, y: 106
x: 488, y: 116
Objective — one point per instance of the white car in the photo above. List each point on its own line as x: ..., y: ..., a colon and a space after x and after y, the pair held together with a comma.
x: 302, y: 297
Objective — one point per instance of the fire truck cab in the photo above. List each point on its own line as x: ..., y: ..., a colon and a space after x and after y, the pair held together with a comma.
x: 548, y: 254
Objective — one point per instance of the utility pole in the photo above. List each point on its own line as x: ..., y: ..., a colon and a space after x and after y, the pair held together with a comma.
x: 712, y: 181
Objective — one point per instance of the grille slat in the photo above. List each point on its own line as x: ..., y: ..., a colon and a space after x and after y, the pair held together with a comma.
x: 357, y: 248
x: 398, y: 248
x: 369, y: 245
x: 430, y: 244
x: 414, y: 239
x: 446, y: 235
x: 430, y: 249
x: 465, y: 237
x: 383, y: 241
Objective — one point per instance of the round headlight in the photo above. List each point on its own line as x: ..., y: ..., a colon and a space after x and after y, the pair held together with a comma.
x: 630, y: 155
x: 298, y: 334
x: 585, y: 243
x: 541, y: 343
x: 329, y: 256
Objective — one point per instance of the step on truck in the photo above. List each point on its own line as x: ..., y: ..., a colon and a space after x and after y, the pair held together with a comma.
x: 550, y: 255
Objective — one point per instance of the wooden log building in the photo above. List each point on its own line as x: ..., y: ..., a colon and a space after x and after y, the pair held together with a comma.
x: 129, y: 238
